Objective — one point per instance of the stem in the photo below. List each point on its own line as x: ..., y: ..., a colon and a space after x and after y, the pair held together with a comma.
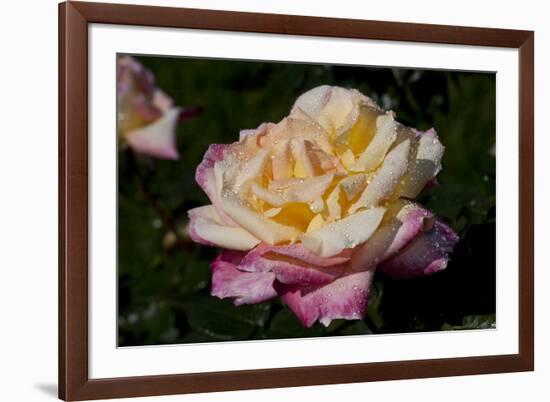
x: 164, y: 217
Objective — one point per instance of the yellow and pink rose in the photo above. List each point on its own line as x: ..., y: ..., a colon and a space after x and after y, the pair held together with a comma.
x: 309, y: 208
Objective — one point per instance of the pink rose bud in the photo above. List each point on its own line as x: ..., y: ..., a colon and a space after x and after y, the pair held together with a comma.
x: 147, y: 118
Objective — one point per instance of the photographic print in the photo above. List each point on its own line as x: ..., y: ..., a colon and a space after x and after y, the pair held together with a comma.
x: 268, y: 200
x: 255, y: 200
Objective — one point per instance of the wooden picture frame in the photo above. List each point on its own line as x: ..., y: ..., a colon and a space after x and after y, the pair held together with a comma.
x: 74, y: 381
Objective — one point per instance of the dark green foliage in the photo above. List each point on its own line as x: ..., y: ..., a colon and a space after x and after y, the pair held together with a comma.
x: 164, y: 280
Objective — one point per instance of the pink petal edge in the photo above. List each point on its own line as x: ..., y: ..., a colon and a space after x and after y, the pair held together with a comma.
x: 426, y: 254
x: 345, y: 298
x: 205, y: 178
x: 243, y: 287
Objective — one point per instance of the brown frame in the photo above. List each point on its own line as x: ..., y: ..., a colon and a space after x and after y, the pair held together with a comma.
x: 74, y: 17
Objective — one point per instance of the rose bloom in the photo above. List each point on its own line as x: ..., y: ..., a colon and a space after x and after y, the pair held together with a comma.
x: 307, y: 209
x: 146, y: 117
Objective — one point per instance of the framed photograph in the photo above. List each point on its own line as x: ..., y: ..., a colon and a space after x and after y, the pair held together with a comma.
x: 260, y: 200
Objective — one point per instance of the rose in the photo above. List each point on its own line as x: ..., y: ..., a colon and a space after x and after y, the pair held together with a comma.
x: 307, y: 209
x: 146, y: 116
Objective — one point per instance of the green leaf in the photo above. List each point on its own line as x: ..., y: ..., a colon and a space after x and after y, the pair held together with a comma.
x: 334, y: 326
x: 286, y: 325
x: 154, y: 323
x: 375, y: 302
x: 356, y: 328
x: 487, y: 321
x: 195, y: 277
x: 222, y: 320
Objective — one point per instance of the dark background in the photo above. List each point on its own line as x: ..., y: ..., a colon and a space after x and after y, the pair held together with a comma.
x: 164, y: 279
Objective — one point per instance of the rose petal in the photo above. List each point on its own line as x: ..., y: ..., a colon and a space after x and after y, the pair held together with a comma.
x: 345, y: 233
x: 162, y: 101
x: 345, y: 298
x: 214, y: 153
x: 140, y: 112
x: 261, y: 130
x: 206, y: 227
x: 157, y: 139
x: 376, y: 150
x: 297, y: 215
x: 386, y: 179
x: 333, y: 205
x: 208, y: 178
x: 352, y: 185
x: 265, y: 229
x: 294, y: 264
x: 297, y: 190
x: 322, y: 161
x: 299, y: 126
x: 297, y: 251
x: 251, y: 169
x: 316, y: 223
x: 281, y: 164
x: 303, y: 166
x: 317, y: 205
x: 405, y: 222
x: 291, y: 271
x: 334, y: 108
x: 363, y: 130
x: 245, y: 287
x: 426, y: 254
x: 424, y: 165
x: 132, y: 75
x: 271, y: 197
